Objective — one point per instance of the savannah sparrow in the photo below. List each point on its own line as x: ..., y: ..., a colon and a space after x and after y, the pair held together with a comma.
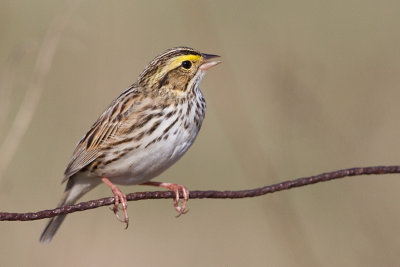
x: 142, y: 133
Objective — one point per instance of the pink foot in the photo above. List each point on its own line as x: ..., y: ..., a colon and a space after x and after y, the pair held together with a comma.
x: 179, y: 207
x: 119, y: 198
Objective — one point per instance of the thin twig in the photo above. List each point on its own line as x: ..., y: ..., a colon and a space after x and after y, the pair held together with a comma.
x: 6, y: 216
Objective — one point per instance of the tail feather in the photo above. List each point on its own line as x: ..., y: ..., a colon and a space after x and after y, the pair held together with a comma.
x: 55, y: 222
x: 72, y: 193
x: 51, y: 228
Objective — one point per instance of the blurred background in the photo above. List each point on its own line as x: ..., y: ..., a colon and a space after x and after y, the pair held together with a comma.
x: 305, y: 87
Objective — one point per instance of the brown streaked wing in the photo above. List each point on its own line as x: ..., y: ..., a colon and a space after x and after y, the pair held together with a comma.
x: 108, y: 128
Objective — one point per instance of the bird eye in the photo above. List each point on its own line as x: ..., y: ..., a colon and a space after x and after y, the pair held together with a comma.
x: 187, y: 64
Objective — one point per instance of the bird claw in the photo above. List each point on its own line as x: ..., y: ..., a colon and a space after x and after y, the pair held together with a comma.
x: 119, y: 198
x: 179, y: 205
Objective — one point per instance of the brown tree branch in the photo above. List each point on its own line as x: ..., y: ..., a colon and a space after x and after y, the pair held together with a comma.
x: 29, y: 216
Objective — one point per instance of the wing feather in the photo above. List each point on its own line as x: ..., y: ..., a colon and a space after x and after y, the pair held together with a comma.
x: 108, y: 128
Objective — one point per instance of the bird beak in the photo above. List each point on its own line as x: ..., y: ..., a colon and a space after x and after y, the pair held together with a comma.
x: 208, y: 62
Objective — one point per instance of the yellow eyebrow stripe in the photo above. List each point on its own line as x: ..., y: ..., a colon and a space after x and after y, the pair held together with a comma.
x: 177, y: 61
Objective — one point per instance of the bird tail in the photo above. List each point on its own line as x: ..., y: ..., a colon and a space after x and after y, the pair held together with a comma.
x: 72, y: 193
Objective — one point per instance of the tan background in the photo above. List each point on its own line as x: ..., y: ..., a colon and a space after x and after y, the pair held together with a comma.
x: 305, y: 87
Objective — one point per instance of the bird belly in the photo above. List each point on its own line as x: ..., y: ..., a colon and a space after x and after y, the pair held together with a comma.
x: 145, y: 163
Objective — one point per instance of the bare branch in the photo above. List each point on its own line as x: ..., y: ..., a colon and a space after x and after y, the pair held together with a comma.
x: 6, y: 216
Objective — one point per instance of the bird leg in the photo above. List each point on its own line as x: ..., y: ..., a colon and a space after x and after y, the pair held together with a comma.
x: 119, y: 198
x: 179, y: 207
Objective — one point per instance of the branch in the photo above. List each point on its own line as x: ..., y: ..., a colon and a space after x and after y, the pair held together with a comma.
x: 6, y: 216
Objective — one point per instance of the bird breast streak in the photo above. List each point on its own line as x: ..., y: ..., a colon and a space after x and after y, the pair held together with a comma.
x: 159, y: 150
